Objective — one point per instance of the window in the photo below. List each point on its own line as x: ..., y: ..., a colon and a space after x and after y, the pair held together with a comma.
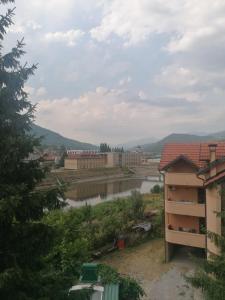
x: 201, y: 196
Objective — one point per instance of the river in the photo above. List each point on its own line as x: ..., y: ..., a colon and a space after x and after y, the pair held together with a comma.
x: 96, y: 192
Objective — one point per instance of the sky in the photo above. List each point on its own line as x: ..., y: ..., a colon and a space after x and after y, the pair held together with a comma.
x: 115, y: 71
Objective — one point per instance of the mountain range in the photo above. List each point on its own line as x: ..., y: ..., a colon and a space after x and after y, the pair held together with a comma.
x: 132, y: 144
x: 182, y: 138
x: 51, y: 138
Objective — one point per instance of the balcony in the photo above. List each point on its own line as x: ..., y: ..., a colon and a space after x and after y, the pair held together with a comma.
x: 186, y: 238
x: 183, y: 179
x: 185, y: 208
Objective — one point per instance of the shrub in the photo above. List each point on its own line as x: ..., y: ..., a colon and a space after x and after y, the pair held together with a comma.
x: 137, y: 205
x: 129, y: 288
x: 157, y: 189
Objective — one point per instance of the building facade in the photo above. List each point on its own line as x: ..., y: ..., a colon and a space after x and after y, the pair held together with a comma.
x: 85, y: 161
x: 78, y: 159
x: 123, y: 159
x: 192, y: 181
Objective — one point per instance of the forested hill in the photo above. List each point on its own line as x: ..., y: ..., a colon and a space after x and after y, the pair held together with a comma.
x: 51, y: 138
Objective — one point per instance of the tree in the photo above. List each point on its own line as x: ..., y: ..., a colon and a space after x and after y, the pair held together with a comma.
x: 63, y: 155
x: 24, y: 239
x: 128, y: 287
x: 137, y: 205
x: 117, y: 149
x: 211, y: 275
x: 104, y: 147
x: 157, y: 189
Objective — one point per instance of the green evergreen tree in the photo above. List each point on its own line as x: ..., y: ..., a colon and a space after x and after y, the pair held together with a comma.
x: 211, y: 275
x: 104, y: 147
x: 24, y: 239
x: 63, y: 155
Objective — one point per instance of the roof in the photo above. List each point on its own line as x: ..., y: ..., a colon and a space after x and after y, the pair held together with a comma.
x: 104, y: 292
x: 89, y: 272
x: 211, y: 165
x: 49, y: 157
x: 196, y: 153
x: 217, y: 178
x: 85, y: 155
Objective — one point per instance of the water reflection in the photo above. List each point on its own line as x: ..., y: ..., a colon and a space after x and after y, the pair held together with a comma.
x: 100, y: 191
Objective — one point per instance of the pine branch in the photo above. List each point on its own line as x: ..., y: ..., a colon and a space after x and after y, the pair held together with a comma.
x: 11, y: 59
x: 217, y: 239
x: 5, y: 22
x: 6, y: 1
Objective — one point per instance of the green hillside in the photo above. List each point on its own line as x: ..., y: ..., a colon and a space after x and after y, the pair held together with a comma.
x: 182, y: 138
x: 51, y: 138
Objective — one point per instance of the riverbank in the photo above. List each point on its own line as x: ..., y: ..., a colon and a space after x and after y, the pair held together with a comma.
x: 90, y: 175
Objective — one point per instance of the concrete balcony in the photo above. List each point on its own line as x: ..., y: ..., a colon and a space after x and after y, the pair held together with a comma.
x: 185, y: 208
x: 186, y: 238
x: 183, y: 179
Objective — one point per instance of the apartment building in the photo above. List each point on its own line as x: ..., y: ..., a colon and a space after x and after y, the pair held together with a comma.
x: 193, y: 180
x: 84, y: 161
x: 123, y: 159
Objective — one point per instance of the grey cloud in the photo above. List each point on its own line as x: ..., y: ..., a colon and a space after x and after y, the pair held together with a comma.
x: 175, y: 56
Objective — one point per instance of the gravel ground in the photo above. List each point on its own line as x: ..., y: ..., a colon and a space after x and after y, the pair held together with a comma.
x: 161, y: 281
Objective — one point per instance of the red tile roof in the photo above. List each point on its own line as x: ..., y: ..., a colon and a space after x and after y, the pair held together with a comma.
x: 215, y: 178
x: 197, y: 153
x: 85, y: 155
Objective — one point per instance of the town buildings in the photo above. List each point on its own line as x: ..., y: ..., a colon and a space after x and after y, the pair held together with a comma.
x: 193, y: 179
x: 123, y: 159
x: 77, y: 160
x: 85, y: 160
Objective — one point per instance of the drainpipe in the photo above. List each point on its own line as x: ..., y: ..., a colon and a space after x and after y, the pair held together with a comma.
x: 164, y: 223
x: 206, y: 247
x: 212, y: 151
x: 212, y: 172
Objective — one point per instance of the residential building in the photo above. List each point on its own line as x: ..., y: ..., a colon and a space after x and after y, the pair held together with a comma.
x: 73, y: 152
x: 193, y: 177
x: 85, y: 161
x: 123, y: 159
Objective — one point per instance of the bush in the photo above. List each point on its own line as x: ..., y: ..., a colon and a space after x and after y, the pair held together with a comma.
x: 129, y: 288
x: 157, y: 189
x: 82, y: 231
x: 137, y: 205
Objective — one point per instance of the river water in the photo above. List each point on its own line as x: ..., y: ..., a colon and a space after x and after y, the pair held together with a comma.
x: 96, y: 192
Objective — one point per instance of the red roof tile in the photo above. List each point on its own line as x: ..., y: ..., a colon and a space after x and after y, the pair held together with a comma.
x: 197, y: 153
x: 215, y: 178
x: 85, y: 155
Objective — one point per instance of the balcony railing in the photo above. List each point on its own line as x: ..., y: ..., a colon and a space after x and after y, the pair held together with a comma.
x: 184, y: 179
x: 185, y: 208
x: 186, y: 238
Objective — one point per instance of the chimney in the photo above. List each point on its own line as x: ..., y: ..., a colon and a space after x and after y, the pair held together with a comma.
x: 212, y: 152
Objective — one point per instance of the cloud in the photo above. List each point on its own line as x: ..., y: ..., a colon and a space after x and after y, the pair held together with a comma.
x: 98, y: 115
x: 22, y: 26
x: 109, y: 115
x: 180, y: 79
x: 35, y: 93
x: 142, y: 95
x: 125, y: 81
x: 70, y: 37
x: 140, y: 68
x: 41, y: 91
x: 186, y: 22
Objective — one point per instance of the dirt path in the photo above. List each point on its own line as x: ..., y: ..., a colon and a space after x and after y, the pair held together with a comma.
x: 160, y: 281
